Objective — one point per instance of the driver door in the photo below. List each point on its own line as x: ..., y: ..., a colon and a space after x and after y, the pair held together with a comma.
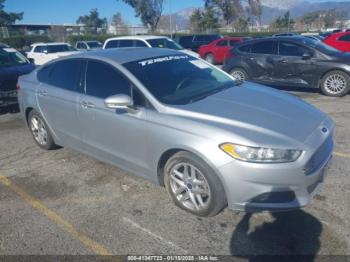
x: 115, y: 136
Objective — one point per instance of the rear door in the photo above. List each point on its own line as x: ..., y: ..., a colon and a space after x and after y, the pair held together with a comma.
x: 57, y: 97
x: 260, y: 60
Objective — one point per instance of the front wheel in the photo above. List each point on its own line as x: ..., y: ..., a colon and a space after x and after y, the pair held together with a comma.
x: 193, y: 185
x: 210, y: 58
x: 335, y: 83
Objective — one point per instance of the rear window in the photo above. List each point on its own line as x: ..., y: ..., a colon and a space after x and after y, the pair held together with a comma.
x: 10, y: 57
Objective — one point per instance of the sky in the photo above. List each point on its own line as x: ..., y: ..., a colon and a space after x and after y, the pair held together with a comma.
x: 67, y: 11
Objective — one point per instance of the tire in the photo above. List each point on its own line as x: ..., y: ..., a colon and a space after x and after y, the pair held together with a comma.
x: 335, y: 83
x: 202, y: 182
x: 210, y: 58
x: 240, y: 74
x: 40, y: 131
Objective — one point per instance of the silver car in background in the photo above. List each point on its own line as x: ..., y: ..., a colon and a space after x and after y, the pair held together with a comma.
x: 183, y: 124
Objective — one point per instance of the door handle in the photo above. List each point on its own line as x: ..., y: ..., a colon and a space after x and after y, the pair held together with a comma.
x: 252, y: 58
x: 43, y: 93
x: 86, y: 105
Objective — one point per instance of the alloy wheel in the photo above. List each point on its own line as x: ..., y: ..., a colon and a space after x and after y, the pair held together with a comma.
x: 238, y: 75
x: 190, y: 187
x: 335, y: 84
x: 38, y: 129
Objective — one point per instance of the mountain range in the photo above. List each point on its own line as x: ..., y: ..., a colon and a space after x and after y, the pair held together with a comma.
x: 274, y: 8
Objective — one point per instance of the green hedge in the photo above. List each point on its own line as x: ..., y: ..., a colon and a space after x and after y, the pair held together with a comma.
x: 21, y: 42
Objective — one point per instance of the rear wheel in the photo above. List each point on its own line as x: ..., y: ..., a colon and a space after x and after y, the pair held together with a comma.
x: 193, y: 185
x: 210, y: 58
x: 239, y: 74
x: 335, y: 83
x: 40, y: 131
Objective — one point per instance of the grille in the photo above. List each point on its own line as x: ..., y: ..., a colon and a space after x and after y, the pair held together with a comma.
x: 320, y: 156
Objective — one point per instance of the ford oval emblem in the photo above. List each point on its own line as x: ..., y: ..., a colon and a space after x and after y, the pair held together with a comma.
x: 324, y: 130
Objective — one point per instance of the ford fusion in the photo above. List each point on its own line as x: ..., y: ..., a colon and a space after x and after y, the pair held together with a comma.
x: 183, y: 124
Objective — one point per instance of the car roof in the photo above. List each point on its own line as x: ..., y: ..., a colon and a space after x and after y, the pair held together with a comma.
x: 336, y: 35
x: 128, y: 54
x: 55, y: 43
x: 296, y: 38
x: 137, y: 37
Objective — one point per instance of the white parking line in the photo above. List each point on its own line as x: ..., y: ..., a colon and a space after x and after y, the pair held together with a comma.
x: 161, y: 239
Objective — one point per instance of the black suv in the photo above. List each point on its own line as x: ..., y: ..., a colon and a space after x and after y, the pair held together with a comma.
x: 291, y: 61
x: 193, y: 42
x: 12, y: 65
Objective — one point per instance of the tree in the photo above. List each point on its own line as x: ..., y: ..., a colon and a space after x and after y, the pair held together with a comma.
x: 255, y: 8
x: 149, y: 11
x: 241, y: 25
x: 93, y: 22
x: 284, y: 22
x: 196, y: 21
x: 231, y: 10
x: 210, y: 21
x: 8, y: 18
x: 120, y: 26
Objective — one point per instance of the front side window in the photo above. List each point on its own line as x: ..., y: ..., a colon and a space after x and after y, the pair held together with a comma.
x: 179, y: 79
x: 59, y: 48
x: 234, y: 42
x: 266, y: 48
x: 103, y: 80
x: 245, y: 48
x: 94, y: 44
x: 291, y: 49
x: 38, y: 49
x: 81, y: 46
x: 65, y: 74
x: 139, y: 43
x: 164, y: 43
x: 10, y: 57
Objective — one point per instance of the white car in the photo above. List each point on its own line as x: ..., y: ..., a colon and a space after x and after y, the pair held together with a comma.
x: 88, y: 45
x: 146, y: 41
x: 41, y: 53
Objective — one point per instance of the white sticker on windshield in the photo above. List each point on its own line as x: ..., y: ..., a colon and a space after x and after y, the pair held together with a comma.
x: 162, y: 59
x: 200, y: 64
x: 9, y: 50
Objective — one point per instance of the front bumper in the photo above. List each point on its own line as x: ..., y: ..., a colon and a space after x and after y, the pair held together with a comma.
x: 253, y: 187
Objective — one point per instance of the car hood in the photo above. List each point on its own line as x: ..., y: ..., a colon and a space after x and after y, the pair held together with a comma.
x: 252, y: 110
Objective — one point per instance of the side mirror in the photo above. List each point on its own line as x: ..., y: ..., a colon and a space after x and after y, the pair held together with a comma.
x: 306, y: 55
x: 119, y: 101
x: 45, y: 52
x: 31, y: 60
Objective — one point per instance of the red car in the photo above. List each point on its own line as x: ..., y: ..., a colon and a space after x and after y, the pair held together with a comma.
x: 217, y: 51
x: 340, y: 41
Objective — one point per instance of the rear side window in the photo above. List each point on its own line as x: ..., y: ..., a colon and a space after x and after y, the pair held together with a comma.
x: 245, y: 48
x: 126, y: 43
x: 345, y: 38
x: 112, y: 44
x: 266, y: 48
x: 102, y: 80
x: 65, y: 74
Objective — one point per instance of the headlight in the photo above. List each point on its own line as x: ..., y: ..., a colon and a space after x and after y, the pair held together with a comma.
x: 260, y: 154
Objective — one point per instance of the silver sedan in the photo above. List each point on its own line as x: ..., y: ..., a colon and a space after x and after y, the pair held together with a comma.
x: 183, y: 124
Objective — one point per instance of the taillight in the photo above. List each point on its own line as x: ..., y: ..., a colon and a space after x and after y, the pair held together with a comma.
x: 18, y: 87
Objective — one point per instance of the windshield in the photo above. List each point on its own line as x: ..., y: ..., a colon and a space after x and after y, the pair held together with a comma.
x: 320, y: 46
x: 179, y: 79
x: 164, y: 43
x: 94, y: 44
x: 59, y: 48
x: 10, y: 57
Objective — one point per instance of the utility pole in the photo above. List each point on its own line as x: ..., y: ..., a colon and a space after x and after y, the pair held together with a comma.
x: 170, y: 18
